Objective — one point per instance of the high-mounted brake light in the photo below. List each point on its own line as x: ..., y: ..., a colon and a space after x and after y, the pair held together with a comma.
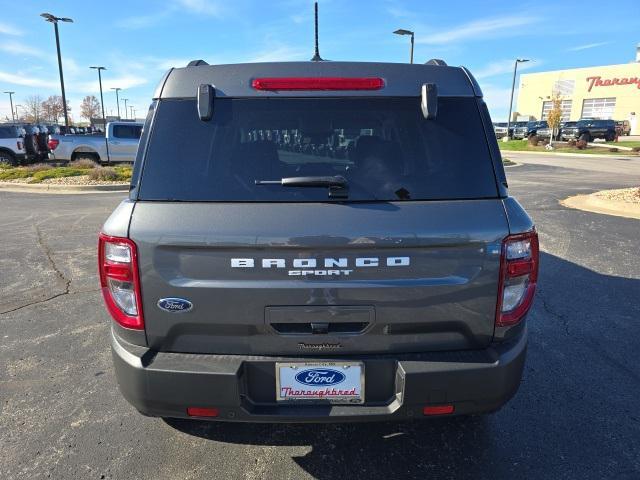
x: 118, y: 268
x: 518, y: 277
x: 318, y: 83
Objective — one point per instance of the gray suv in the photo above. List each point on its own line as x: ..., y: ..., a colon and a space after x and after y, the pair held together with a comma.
x: 318, y: 241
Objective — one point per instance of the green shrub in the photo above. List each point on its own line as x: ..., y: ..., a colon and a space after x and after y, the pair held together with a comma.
x: 13, y: 173
x: 5, y: 165
x: 83, y: 163
x: 58, y: 172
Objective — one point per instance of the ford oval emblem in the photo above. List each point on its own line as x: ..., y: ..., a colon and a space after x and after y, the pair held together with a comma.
x: 175, y: 305
x: 320, y: 377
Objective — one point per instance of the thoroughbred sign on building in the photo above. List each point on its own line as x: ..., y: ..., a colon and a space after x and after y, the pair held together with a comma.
x: 607, y: 92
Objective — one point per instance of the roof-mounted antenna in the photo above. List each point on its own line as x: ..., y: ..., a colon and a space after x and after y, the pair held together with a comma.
x: 316, y: 56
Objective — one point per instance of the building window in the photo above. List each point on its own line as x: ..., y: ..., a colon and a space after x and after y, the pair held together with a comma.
x: 565, y: 107
x: 600, y: 108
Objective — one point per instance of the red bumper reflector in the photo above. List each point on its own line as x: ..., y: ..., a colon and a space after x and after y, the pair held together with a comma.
x: 317, y: 83
x: 202, y: 412
x: 438, y: 410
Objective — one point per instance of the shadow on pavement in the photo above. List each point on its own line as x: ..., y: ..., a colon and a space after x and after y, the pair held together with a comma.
x: 574, y: 416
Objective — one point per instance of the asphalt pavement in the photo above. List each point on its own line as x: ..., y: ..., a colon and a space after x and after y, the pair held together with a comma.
x: 575, y: 416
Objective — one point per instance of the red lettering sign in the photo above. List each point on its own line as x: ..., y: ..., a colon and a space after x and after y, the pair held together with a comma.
x: 608, y: 82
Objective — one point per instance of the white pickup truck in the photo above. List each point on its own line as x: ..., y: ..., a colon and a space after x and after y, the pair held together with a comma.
x: 119, y: 145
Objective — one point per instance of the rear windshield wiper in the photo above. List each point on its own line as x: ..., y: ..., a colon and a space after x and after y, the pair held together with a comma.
x: 337, y: 185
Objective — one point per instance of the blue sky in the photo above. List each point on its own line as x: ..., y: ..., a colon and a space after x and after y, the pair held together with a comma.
x: 138, y: 40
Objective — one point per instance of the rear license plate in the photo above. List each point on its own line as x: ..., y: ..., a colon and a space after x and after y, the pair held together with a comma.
x: 320, y: 382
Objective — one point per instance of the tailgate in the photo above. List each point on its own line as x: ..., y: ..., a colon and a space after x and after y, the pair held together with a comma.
x: 283, y: 278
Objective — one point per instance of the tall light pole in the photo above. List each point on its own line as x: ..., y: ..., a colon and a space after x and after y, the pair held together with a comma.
x: 104, y: 120
x: 513, y: 86
x: 132, y: 110
x: 13, y: 117
x: 402, y: 31
x: 17, y: 116
x: 125, y: 107
x: 53, y: 19
x: 117, y: 89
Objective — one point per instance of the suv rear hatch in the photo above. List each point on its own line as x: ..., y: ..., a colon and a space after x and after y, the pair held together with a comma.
x: 405, y: 259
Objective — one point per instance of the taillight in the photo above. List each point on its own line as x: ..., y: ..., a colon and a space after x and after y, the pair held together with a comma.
x: 318, y: 83
x: 118, y: 266
x: 518, y: 277
x: 53, y: 143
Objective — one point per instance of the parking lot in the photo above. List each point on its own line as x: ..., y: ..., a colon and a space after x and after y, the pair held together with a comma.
x: 575, y: 415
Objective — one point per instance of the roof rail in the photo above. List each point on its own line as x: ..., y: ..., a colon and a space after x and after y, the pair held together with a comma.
x: 196, y: 63
x: 436, y: 61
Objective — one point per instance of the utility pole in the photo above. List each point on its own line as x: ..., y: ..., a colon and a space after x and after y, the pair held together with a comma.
x: 117, y: 89
x: 13, y: 117
x: 513, y: 86
x: 53, y: 19
x: 104, y: 119
x: 125, y: 107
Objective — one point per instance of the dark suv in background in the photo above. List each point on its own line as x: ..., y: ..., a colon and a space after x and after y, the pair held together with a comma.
x: 529, y: 129
x: 589, y: 130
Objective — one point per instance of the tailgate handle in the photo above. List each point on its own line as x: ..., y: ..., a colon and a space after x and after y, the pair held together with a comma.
x: 319, y: 328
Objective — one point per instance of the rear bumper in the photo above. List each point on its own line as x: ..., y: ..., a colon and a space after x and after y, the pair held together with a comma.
x: 242, y: 388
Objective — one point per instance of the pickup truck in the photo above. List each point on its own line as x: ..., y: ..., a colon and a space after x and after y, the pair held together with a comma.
x: 12, y: 147
x: 119, y: 145
x: 252, y: 282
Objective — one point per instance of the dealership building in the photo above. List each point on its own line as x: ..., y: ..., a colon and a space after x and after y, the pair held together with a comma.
x: 606, y: 92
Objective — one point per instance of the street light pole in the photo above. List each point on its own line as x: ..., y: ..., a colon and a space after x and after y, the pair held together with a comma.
x: 132, y: 110
x: 513, y: 86
x: 104, y: 119
x: 13, y: 117
x: 17, y: 115
x: 125, y: 107
x: 402, y: 31
x: 117, y: 89
x: 53, y: 19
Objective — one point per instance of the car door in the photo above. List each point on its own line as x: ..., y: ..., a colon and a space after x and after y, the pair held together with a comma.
x: 123, y: 143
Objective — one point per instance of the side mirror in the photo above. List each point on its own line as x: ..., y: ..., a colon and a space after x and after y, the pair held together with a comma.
x: 429, y: 101
x: 206, y: 96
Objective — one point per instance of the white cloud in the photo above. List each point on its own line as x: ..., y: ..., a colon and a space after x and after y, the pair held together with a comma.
x: 502, y: 67
x: 587, y: 46
x: 196, y: 7
x: 280, y: 53
x: 124, y: 82
x: 479, y: 29
x: 27, y: 80
x: 7, y: 29
x: 17, y: 48
x: 497, y: 100
x: 142, y: 21
x: 201, y: 7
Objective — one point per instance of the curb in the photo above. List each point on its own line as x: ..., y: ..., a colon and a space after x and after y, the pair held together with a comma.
x: 579, y: 155
x: 52, y: 188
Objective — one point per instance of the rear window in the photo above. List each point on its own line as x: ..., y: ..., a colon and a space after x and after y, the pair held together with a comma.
x: 127, y: 131
x: 383, y: 147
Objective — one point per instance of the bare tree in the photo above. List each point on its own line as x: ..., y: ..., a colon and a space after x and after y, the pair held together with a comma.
x: 32, y: 108
x: 52, y: 108
x: 90, y: 107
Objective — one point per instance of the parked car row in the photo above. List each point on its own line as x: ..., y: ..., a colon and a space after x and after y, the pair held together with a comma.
x: 22, y: 143
x: 586, y: 129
